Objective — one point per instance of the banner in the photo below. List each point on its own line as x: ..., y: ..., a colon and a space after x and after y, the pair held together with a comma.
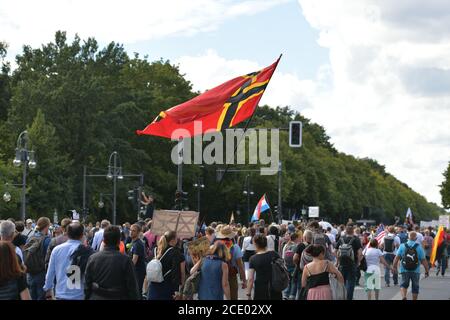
x: 444, y: 221
x: 183, y: 222
x: 313, y: 212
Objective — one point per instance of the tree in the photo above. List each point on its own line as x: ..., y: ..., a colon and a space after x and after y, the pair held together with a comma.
x: 445, y: 188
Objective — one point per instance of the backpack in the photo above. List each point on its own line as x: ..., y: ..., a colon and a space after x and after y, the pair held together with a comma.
x: 232, y: 270
x: 289, y: 255
x: 389, y: 244
x: 305, y: 258
x: 154, y: 269
x: 280, y: 275
x: 322, y: 239
x: 80, y: 257
x: 345, y: 253
x: 34, y: 255
x: 410, y: 259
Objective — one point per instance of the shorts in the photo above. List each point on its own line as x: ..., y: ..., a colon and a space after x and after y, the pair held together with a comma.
x: 414, y: 277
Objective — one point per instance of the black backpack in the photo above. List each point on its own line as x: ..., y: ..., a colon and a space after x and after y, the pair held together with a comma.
x: 410, y: 259
x: 389, y: 244
x: 280, y: 275
x: 34, y: 255
x: 80, y: 257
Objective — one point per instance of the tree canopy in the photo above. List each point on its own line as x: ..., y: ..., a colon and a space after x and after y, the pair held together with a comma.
x: 80, y: 103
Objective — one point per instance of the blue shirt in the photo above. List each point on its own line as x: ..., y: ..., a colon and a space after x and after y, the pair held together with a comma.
x: 69, y: 289
x: 420, y: 254
x: 98, y: 238
x: 237, y: 254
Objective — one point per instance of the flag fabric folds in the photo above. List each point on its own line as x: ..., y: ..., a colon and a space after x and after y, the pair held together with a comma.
x: 438, y: 239
x: 260, y: 207
x: 217, y: 109
x: 409, y: 216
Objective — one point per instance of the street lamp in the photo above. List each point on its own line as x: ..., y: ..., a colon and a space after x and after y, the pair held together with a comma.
x: 199, y: 186
x: 247, y: 192
x: 114, y: 174
x: 26, y: 158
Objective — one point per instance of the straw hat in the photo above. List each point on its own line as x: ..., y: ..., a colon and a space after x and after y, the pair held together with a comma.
x: 225, y: 233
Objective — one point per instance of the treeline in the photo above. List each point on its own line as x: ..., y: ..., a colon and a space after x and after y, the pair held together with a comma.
x: 80, y: 103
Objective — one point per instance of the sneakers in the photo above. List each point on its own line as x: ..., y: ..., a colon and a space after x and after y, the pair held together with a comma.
x: 404, y: 298
x: 387, y: 285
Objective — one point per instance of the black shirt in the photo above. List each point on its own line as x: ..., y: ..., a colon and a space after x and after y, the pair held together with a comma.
x: 262, y: 264
x: 112, y: 271
x: 137, y: 248
x: 11, y: 289
x: 171, y: 262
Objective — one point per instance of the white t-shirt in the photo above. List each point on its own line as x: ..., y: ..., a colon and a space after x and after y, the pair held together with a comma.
x: 396, y: 242
x: 331, y: 237
x: 270, y: 242
x: 372, y: 256
x: 419, y: 238
x: 247, y: 245
x: 19, y: 253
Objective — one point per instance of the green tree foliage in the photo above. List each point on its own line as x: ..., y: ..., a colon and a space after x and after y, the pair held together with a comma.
x: 81, y: 102
x: 445, y: 188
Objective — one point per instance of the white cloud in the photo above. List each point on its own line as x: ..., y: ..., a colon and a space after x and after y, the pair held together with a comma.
x: 35, y: 22
x: 391, y: 75
x: 385, y: 93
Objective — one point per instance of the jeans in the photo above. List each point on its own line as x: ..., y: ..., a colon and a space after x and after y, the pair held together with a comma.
x: 443, y: 264
x: 36, y: 284
x: 291, y: 291
x: 389, y: 257
x: 349, y: 274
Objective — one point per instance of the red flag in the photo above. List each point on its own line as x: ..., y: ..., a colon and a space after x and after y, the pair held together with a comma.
x: 217, y: 109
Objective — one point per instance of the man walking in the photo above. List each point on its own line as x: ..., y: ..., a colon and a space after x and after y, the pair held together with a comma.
x: 411, y: 255
x: 389, y: 245
x: 69, y: 282
x: 98, y: 237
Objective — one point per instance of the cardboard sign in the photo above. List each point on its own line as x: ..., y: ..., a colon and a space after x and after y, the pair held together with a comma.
x: 183, y: 222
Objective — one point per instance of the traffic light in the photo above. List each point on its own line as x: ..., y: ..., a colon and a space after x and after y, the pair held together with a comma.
x: 130, y: 194
x: 180, y: 196
x: 275, y: 209
x: 295, y: 134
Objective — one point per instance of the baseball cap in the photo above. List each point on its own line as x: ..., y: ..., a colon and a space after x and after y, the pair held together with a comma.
x: 29, y: 221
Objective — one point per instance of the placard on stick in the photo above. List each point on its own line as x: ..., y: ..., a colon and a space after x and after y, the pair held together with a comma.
x: 183, y: 222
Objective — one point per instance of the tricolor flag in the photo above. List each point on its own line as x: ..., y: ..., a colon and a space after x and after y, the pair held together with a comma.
x: 438, y: 239
x: 217, y: 109
x: 260, y: 207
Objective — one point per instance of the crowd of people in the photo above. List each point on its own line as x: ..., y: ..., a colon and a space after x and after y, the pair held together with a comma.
x: 75, y: 261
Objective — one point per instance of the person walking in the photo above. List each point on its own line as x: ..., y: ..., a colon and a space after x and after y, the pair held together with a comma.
x: 58, y: 240
x: 411, y: 255
x: 137, y: 254
x: 248, y: 248
x: 68, y: 285
x: 34, y: 258
x: 373, y: 257
x: 13, y: 283
x: 213, y: 283
x: 98, y: 236
x: 260, y: 272
x: 173, y: 269
x: 389, y: 246
x: 315, y: 275
x: 109, y: 274
x: 349, y: 257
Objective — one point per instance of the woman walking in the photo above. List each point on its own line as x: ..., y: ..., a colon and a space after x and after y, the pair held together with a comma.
x: 248, y: 248
x: 374, y: 257
x: 315, y: 276
x: 13, y: 282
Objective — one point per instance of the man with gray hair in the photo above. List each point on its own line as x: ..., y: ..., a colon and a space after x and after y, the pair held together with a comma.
x: 411, y: 255
x: 98, y: 237
x: 7, y: 229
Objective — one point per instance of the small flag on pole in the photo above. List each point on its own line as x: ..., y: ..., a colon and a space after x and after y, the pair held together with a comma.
x: 232, y: 217
x: 409, y: 216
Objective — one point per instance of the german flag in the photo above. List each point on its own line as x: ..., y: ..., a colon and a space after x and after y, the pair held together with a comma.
x: 217, y: 109
x: 438, y: 239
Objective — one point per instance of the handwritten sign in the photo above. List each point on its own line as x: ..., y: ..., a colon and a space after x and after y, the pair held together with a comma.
x: 183, y: 222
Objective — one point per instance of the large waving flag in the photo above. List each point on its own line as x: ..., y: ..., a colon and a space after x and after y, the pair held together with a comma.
x: 438, y: 239
x: 260, y: 207
x: 217, y: 109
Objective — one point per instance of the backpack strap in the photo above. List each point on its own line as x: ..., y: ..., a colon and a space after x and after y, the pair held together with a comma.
x: 160, y: 259
x: 309, y: 272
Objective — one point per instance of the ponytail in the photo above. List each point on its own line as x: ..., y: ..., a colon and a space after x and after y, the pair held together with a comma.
x: 163, y: 243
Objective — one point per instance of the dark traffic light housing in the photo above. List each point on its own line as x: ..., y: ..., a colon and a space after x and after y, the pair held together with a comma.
x: 295, y: 134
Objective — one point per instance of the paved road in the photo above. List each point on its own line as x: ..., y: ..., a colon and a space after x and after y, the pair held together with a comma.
x: 432, y: 288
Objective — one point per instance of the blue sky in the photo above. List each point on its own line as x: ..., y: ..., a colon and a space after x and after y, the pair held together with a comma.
x: 374, y: 73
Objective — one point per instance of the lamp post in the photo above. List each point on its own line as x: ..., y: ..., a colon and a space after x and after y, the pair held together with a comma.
x: 248, y: 193
x: 24, y: 157
x: 114, y: 174
x: 199, y: 186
